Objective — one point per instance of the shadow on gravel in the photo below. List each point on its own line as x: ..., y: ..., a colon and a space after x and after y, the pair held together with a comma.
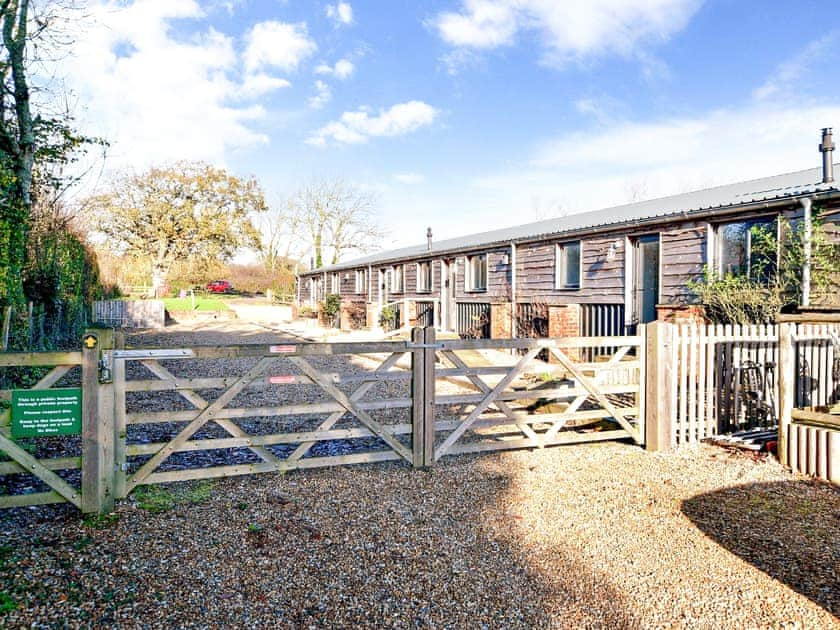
x: 789, y: 530
x: 365, y: 547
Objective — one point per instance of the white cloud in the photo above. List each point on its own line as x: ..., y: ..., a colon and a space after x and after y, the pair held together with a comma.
x: 410, y: 178
x: 357, y: 127
x: 566, y: 29
x: 788, y: 76
x: 156, y: 97
x: 342, y: 69
x: 603, y: 167
x: 322, y: 97
x: 341, y: 12
x: 260, y: 84
x: 277, y: 44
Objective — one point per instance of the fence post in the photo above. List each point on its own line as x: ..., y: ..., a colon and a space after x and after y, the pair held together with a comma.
x: 659, y: 388
x: 429, y: 340
x: 787, y: 378
x: 97, y: 424
x: 418, y: 409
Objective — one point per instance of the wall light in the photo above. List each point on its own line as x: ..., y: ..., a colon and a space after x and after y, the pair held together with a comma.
x: 612, y: 252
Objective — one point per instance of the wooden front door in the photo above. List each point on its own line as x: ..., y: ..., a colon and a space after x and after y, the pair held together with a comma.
x: 645, y: 278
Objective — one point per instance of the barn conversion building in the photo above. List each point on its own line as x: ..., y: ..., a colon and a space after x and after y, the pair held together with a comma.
x: 594, y: 273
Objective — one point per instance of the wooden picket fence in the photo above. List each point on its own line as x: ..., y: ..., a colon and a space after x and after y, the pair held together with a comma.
x: 705, y: 387
x: 809, y: 392
x: 705, y: 394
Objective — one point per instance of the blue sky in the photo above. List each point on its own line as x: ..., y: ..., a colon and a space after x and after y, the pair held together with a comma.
x: 464, y: 114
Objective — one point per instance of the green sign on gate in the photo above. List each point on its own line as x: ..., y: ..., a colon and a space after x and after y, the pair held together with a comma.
x: 45, y: 412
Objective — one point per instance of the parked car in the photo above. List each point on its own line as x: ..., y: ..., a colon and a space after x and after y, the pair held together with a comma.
x: 220, y: 286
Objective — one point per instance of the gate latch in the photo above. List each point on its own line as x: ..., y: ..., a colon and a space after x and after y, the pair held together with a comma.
x: 105, y: 369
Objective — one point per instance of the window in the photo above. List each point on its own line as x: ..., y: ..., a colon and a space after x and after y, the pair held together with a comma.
x: 397, y: 278
x: 361, y: 281
x: 567, y: 266
x: 424, y: 277
x: 477, y: 272
x: 335, y: 283
x: 748, y: 248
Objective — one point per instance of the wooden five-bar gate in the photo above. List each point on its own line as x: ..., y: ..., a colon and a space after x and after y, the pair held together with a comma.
x: 161, y: 415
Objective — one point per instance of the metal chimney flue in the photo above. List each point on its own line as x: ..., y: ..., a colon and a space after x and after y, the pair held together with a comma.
x: 429, y: 239
x: 827, y: 150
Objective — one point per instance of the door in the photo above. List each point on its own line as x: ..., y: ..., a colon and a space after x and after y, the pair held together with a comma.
x: 450, y: 296
x: 645, y: 278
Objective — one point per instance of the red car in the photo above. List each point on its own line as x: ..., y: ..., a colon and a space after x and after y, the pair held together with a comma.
x: 220, y: 286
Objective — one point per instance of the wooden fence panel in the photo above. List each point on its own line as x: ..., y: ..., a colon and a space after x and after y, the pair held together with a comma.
x: 707, y: 393
x: 130, y: 313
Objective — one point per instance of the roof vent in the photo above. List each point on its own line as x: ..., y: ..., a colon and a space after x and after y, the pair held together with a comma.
x: 429, y: 239
x: 827, y: 150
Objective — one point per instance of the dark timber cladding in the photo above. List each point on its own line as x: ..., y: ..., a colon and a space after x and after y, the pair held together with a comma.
x: 586, y: 259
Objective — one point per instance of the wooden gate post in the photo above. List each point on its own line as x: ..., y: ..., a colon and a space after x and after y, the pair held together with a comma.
x: 429, y: 352
x: 97, y: 424
x: 423, y: 397
x: 418, y: 409
x: 787, y: 378
x: 660, y: 387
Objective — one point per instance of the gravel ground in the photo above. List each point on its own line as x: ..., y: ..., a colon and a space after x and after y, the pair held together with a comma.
x: 597, y: 536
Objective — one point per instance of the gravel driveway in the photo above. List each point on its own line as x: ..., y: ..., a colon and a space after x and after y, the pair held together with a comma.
x: 601, y: 536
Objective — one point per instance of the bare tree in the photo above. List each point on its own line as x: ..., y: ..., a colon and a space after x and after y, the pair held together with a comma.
x: 280, y: 238
x: 336, y: 217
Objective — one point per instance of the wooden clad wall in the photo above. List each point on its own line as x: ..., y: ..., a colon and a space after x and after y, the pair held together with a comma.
x: 498, y: 279
x: 602, y: 280
x: 411, y: 280
x: 683, y: 256
x: 348, y: 281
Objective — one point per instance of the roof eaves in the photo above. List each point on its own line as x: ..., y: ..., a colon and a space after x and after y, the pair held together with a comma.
x: 407, y: 253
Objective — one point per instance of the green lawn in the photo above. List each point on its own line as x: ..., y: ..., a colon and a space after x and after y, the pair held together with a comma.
x: 202, y: 303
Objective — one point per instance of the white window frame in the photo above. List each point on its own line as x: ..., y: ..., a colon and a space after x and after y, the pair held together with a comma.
x: 469, y: 274
x: 335, y: 283
x: 361, y: 281
x: 398, y: 274
x: 560, y: 266
x: 426, y: 264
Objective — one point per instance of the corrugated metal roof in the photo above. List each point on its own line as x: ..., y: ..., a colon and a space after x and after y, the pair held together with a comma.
x: 720, y: 197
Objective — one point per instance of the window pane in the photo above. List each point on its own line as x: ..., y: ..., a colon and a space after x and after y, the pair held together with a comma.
x: 478, y: 272
x: 572, y: 262
x: 733, y: 248
x: 424, y: 276
x: 749, y: 249
x: 763, y: 243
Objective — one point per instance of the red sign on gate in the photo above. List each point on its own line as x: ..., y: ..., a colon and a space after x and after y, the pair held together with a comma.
x: 287, y: 379
x: 282, y: 349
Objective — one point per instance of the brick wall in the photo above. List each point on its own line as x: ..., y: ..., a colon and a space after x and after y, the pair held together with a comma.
x: 353, y: 314
x: 370, y: 315
x: 681, y: 313
x: 501, y: 320
x: 564, y: 321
